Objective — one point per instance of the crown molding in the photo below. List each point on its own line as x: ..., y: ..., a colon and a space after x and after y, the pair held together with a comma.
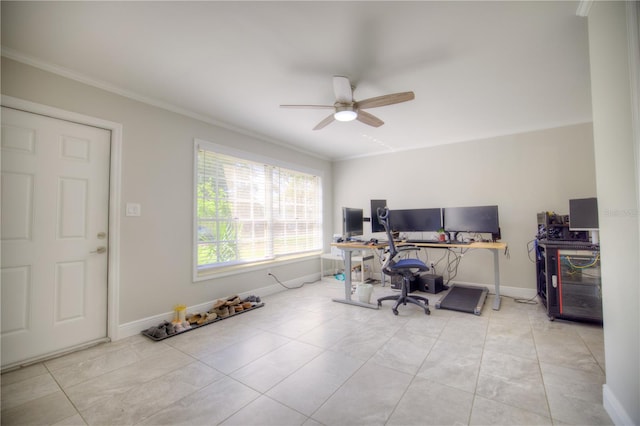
x: 584, y: 6
x: 72, y: 75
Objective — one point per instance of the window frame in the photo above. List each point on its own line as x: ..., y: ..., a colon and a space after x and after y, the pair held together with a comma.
x: 206, y: 273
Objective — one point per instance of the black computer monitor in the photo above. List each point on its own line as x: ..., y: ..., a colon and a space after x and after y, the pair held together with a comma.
x: 482, y: 219
x: 583, y: 214
x: 415, y: 220
x: 376, y: 226
x: 352, y: 222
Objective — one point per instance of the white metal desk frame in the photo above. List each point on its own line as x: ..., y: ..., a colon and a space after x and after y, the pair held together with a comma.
x: 348, y: 248
x: 333, y: 257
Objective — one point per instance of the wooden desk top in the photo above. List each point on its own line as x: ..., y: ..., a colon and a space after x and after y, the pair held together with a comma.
x: 474, y: 245
x: 356, y: 245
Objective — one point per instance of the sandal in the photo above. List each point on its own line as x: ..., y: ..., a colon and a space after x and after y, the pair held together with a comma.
x: 194, y: 318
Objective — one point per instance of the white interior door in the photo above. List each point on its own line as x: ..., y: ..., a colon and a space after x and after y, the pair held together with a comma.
x: 54, y: 231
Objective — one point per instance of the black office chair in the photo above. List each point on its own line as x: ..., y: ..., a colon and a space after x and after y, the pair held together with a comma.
x: 405, y: 267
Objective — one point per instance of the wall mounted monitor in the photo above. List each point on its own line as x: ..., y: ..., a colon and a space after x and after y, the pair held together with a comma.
x: 482, y: 219
x: 352, y: 222
x: 583, y: 214
x: 415, y: 220
x: 376, y: 226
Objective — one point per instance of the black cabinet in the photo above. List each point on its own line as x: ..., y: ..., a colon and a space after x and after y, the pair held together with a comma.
x: 568, y: 280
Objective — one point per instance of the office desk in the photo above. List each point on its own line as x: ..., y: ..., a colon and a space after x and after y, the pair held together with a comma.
x: 495, y: 248
x: 348, y: 248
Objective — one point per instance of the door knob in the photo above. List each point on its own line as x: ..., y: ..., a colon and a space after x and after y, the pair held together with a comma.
x: 101, y: 249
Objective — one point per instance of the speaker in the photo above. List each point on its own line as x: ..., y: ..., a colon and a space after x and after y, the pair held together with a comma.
x: 432, y: 283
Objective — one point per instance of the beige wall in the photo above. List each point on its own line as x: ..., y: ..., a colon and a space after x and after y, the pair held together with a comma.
x: 523, y: 174
x: 616, y: 152
x: 157, y: 172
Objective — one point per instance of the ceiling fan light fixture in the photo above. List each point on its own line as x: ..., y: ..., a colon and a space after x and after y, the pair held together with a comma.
x: 345, y: 113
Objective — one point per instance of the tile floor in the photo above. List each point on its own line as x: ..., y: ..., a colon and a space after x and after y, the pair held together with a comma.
x: 305, y: 360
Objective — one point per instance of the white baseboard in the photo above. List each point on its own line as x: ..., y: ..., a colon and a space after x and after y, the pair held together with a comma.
x: 614, y: 409
x: 135, y: 327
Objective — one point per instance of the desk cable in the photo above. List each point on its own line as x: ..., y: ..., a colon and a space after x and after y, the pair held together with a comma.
x: 288, y: 288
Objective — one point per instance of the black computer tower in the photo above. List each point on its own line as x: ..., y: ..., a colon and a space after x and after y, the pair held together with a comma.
x: 427, y: 283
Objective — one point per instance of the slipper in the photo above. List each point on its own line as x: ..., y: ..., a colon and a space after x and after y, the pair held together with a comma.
x: 194, y: 318
x: 233, y: 302
x: 219, y: 303
x: 160, y: 333
x: 171, y: 329
x: 223, y: 311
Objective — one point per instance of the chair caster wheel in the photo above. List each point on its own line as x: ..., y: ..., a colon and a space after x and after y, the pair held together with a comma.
x: 395, y: 311
x: 379, y: 304
x: 427, y: 312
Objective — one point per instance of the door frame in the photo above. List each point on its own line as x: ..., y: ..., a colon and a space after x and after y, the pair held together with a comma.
x: 115, y: 169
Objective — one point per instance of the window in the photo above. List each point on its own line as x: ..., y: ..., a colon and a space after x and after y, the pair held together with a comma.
x: 249, y: 211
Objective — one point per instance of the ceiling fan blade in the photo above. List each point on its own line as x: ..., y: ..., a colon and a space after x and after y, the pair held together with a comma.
x: 378, y: 101
x: 369, y: 119
x: 308, y: 106
x: 342, y: 89
x: 324, y: 122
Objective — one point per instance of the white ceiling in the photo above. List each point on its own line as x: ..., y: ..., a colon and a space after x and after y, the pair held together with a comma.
x: 478, y: 69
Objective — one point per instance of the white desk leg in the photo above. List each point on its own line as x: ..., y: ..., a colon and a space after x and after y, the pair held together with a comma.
x: 347, y: 285
x: 496, y: 271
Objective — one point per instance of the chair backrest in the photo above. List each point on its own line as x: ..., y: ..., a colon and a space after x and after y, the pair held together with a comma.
x: 383, y: 218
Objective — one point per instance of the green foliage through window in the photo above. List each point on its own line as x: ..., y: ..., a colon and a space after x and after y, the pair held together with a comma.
x: 249, y: 211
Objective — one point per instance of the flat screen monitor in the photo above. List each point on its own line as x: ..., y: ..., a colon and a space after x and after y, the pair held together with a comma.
x: 583, y: 214
x: 482, y: 219
x: 352, y: 222
x: 376, y: 226
x: 415, y: 220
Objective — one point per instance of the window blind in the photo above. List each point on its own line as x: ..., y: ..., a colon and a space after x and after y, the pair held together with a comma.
x: 249, y: 211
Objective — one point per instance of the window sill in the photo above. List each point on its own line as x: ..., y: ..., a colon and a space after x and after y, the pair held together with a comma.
x: 212, y: 273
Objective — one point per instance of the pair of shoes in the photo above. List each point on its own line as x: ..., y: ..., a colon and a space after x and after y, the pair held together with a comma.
x: 223, y: 311
x: 208, y: 317
x: 195, y: 318
x: 252, y: 298
x: 200, y: 319
x: 161, y: 331
x: 233, y: 301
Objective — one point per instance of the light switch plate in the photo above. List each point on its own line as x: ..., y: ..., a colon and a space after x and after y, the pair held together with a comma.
x: 133, y: 209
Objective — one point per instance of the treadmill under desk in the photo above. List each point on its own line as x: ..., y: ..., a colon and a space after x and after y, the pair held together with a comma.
x: 464, y: 299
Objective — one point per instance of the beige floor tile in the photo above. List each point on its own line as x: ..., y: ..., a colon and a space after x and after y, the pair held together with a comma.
x: 17, y: 393
x: 310, y: 386
x: 367, y: 398
x: 265, y: 412
x: 489, y: 412
x: 304, y: 359
x: 454, y: 364
x: 267, y: 371
x: 211, y: 405
x: 48, y: 409
x: 431, y: 403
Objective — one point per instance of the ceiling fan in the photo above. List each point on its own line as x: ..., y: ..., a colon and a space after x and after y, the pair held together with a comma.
x: 346, y: 108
